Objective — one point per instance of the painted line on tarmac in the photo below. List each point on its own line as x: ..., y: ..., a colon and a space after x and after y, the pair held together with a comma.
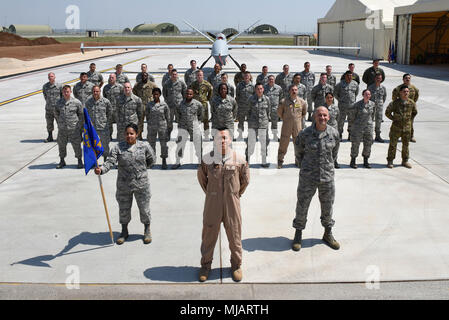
x: 67, y: 82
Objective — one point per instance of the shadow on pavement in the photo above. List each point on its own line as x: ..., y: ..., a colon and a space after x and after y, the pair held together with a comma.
x: 52, y: 166
x: 309, y: 243
x: 100, y: 239
x: 267, y: 244
x: 33, y: 141
x: 178, y: 274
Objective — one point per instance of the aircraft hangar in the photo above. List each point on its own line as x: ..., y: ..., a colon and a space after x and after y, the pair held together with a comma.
x: 364, y: 23
x: 422, y: 35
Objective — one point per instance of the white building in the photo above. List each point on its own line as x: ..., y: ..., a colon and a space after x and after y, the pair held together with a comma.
x: 364, y: 23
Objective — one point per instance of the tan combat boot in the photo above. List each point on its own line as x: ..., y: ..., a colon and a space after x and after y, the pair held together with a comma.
x: 237, y: 274
x: 296, y: 245
x: 204, y: 274
x: 406, y: 164
x: 124, y: 235
x: 329, y: 239
x: 390, y: 164
x: 147, y: 234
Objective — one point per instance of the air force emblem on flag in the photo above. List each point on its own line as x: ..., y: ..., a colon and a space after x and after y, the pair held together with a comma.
x: 92, y: 146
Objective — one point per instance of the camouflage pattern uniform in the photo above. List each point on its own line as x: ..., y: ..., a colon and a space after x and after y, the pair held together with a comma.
x: 145, y: 92
x: 259, y: 116
x: 70, y: 123
x: 302, y: 91
x: 308, y: 79
x: 158, y: 116
x: 132, y: 178
x: 284, y: 81
x: 318, y: 94
x: 150, y: 78
x: 401, y: 113
x: 275, y: 95
x: 122, y: 78
x: 315, y: 153
x: 189, y: 115
x: 129, y: 110
x: 203, y: 93
x: 369, y: 76
x: 243, y: 93
x: 100, y: 112
x: 112, y: 93
x: 334, y: 115
x: 190, y: 76
x: 362, y: 129
x: 52, y: 94
x: 231, y: 90
x: 331, y: 80
x: 346, y: 94
x: 224, y: 112
x: 165, y: 78
x: 95, y: 77
x: 214, y: 78
x: 174, y: 93
x: 83, y: 91
x: 355, y: 77
x: 413, y: 94
x: 378, y: 96
x: 262, y: 78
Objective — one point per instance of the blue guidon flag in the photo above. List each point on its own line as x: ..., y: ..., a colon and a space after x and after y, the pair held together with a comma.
x: 91, y: 144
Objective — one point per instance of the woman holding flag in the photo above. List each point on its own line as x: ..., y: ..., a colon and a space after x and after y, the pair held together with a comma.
x: 133, y: 158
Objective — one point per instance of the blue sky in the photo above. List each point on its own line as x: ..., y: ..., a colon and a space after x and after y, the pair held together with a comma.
x: 291, y: 16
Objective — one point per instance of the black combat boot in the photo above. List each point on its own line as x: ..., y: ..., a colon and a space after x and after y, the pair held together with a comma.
x: 296, y: 245
x: 147, y: 234
x: 366, y: 163
x: 379, y: 139
x: 124, y: 235
x: 61, y: 164
x: 353, y: 164
x: 336, y: 165
x: 80, y: 164
x: 164, y: 163
x: 329, y: 239
x: 50, y: 137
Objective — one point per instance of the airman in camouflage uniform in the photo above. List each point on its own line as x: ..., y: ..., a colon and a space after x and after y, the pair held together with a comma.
x: 144, y: 69
x: 275, y: 94
x: 132, y: 180
x: 401, y: 111
x: 331, y: 79
x: 167, y: 75
x: 355, y: 76
x: 284, y: 79
x: 129, y: 110
x: 346, y: 93
x: 190, y: 115
x: 215, y: 77
x: 259, y: 116
x: 52, y: 93
x: 202, y: 91
x: 121, y: 77
x: 334, y: 115
x: 414, y: 95
x: 190, y: 75
x: 263, y: 77
x: 173, y: 92
x: 369, y: 76
x: 378, y: 96
x: 315, y: 150
x: 224, y: 110
x: 112, y: 91
x: 100, y: 112
x: 158, y: 116
x: 239, y: 75
x: 362, y: 130
x: 93, y: 76
x: 244, y: 92
x: 144, y: 90
x: 319, y: 91
x: 69, y: 112
x: 224, y: 79
x: 83, y: 89
x: 308, y: 79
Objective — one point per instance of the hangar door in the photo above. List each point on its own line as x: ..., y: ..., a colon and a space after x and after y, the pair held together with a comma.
x: 430, y: 38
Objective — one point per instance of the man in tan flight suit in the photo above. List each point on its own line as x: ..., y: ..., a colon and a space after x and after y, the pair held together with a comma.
x: 292, y: 111
x: 224, y: 176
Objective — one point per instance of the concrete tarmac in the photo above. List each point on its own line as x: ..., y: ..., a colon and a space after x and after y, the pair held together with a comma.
x: 391, y: 223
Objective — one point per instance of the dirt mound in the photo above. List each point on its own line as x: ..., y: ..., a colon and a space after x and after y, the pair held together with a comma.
x: 12, y: 40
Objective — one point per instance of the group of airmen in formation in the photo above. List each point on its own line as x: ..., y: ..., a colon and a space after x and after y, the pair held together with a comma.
x: 289, y: 97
